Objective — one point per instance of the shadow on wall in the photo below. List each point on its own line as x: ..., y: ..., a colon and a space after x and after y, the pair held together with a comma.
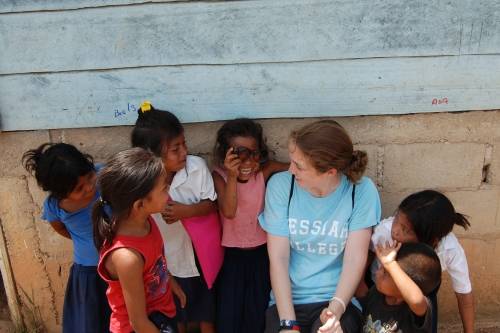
x: 4, y: 306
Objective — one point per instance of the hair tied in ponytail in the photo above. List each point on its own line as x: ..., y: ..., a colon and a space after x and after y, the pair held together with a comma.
x: 354, y: 158
x: 102, y: 201
x: 105, y: 208
x: 146, y: 106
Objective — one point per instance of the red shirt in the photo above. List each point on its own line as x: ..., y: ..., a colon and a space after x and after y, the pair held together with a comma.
x: 154, y: 274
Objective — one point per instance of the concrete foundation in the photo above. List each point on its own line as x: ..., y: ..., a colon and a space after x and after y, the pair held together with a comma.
x: 457, y: 153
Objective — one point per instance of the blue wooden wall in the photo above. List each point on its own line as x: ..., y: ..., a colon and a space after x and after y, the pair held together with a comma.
x: 87, y: 63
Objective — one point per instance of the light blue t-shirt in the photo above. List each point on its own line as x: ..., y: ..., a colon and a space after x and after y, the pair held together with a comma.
x: 79, y: 226
x: 317, y: 228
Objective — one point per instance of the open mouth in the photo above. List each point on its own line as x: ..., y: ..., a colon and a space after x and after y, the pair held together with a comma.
x: 245, y: 172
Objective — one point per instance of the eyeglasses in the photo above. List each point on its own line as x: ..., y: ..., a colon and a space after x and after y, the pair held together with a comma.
x: 244, y: 153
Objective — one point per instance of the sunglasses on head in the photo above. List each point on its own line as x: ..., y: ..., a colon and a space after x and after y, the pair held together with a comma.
x: 244, y: 153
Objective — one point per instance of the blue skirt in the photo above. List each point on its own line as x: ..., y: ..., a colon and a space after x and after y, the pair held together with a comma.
x: 86, y: 308
x: 243, y: 290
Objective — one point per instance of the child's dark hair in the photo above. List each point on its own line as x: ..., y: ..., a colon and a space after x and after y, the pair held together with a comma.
x: 57, y: 167
x: 422, y: 265
x: 243, y: 127
x: 127, y: 177
x: 155, y: 128
x: 432, y: 215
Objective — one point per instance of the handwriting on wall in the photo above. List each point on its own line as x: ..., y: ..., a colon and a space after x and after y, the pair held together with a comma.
x: 438, y: 101
x: 131, y: 108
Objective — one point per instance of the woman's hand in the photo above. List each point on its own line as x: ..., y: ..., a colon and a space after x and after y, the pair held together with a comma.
x: 232, y: 163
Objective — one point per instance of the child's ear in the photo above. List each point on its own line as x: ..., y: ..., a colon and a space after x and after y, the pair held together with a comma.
x: 138, y: 205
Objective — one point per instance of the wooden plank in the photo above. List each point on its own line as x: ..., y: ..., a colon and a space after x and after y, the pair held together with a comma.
x: 244, y: 32
x: 8, y: 281
x: 19, y: 6
x: 207, y: 93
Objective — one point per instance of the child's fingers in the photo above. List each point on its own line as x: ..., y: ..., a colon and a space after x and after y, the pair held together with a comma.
x: 230, y: 155
x: 327, y: 326
x: 231, y: 158
x: 183, y: 300
x: 398, y: 246
x: 234, y: 163
x: 325, y: 314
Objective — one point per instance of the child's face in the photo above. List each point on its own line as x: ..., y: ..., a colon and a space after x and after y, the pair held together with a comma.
x: 402, y: 230
x: 385, y: 284
x: 174, y: 154
x: 84, y: 188
x: 248, y: 152
x: 157, y: 199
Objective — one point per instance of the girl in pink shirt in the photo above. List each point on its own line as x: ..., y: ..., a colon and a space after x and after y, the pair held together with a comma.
x: 133, y: 186
x: 242, y: 169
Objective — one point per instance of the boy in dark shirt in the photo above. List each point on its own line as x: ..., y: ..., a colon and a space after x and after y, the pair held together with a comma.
x: 397, y: 303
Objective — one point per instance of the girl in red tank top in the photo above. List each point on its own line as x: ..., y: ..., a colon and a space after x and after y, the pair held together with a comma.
x: 132, y: 262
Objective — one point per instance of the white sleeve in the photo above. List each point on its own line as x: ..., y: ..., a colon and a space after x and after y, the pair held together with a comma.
x: 456, y: 265
x: 207, y: 190
x: 381, y: 233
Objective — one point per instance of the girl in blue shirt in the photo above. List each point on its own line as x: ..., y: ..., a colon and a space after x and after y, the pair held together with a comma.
x: 319, y: 217
x: 70, y: 179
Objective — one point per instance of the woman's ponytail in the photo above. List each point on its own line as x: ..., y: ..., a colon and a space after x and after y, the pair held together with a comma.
x: 357, y: 166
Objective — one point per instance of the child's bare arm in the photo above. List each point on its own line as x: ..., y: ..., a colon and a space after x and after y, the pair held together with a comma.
x: 271, y: 167
x: 466, y: 309
x: 410, y: 292
x: 177, y: 290
x: 227, y: 196
x: 60, y: 228
x: 127, y: 265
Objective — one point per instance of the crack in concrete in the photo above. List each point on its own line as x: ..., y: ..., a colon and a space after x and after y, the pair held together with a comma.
x: 40, y: 255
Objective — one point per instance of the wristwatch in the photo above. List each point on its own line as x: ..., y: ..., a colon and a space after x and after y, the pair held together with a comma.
x: 287, y: 324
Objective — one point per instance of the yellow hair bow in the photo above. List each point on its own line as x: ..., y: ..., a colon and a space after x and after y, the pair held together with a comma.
x: 146, y: 106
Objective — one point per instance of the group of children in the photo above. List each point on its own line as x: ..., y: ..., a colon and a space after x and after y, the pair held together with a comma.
x: 161, y: 244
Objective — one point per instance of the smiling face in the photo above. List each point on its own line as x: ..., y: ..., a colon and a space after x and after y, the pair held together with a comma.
x: 402, y: 230
x: 248, y: 152
x: 174, y: 154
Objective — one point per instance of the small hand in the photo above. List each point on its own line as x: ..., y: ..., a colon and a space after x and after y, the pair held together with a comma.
x: 330, y: 322
x: 325, y: 314
x: 174, y: 211
x: 232, y: 163
x: 177, y: 291
x: 387, y: 253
